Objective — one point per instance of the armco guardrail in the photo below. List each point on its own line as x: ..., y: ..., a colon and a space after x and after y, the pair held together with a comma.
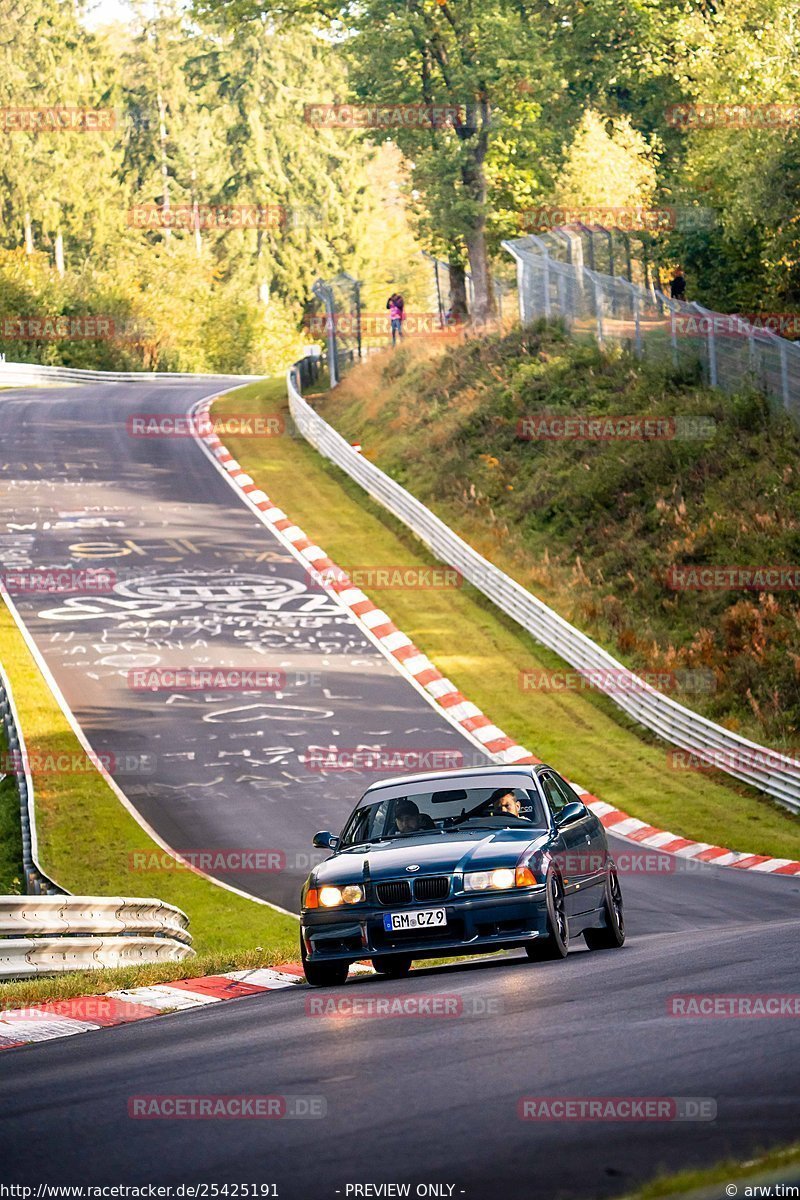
x: 22, y: 957
x: 36, y: 881
x: 46, y: 934
x: 31, y: 374
x: 775, y: 774
x: 30, y: 916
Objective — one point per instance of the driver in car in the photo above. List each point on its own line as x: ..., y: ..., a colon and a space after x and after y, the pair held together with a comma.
x: 504, y: 803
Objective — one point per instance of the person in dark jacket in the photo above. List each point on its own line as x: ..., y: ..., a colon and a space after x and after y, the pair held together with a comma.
x: 677, y: 285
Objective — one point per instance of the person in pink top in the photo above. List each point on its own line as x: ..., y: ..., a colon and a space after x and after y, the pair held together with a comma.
x: 396, y: 307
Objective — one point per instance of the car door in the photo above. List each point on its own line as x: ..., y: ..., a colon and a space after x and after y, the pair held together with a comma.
x: 573, y: 846
x: 590, y: 834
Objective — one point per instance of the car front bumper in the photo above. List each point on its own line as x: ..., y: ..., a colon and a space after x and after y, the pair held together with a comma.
x: 495, y: 921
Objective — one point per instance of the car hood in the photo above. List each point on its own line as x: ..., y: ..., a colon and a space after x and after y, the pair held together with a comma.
x: 432, y: 854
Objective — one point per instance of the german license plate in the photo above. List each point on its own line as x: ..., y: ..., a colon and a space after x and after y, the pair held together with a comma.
x: 420, y: 918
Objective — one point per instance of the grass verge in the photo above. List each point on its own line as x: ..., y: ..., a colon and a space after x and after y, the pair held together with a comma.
x: 609, y: 530
x: 25, y: 992
x: 774, y: 1165
x: 582, y: 734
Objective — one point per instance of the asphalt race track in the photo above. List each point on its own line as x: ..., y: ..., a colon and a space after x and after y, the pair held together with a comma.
x: 434, y: 1100
x: 199, y: 581
x: 418, y: 1100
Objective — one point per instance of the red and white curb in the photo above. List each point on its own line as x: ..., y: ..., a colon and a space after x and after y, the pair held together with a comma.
x: 413, y: 663
x: 80, y: 1014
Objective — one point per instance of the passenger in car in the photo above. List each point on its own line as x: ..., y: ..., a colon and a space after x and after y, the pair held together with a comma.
x: 408, y: 818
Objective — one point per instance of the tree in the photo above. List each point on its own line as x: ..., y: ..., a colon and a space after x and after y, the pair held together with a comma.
x: 465, y: 59
x: 609, y: 163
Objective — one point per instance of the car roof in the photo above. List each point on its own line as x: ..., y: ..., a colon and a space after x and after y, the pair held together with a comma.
x: 448, y: 776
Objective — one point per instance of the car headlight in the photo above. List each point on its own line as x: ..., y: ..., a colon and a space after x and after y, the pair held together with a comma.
x: 499, y: 880
x: 330, y: 897
x: 484, y: 881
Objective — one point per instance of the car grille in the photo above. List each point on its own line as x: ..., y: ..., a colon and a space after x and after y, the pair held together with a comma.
x: 394, y: 893
x: 432, y: 887
x: 428, y: 887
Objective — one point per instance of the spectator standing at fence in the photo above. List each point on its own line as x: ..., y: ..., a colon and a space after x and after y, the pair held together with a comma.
x: 396, y: 307
x: 677, y: 285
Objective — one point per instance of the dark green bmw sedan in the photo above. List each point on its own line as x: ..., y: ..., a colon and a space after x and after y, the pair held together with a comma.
x: 460, y: 862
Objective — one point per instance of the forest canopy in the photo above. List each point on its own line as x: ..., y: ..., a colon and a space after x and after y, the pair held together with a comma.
x: 219, y: 178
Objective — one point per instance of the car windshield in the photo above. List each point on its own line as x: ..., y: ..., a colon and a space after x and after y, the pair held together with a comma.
x: 411, y: 811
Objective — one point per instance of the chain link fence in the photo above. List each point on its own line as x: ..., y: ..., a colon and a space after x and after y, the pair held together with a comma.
x: 771, y: 772
x: 553, y: 281
x: 341, y: 327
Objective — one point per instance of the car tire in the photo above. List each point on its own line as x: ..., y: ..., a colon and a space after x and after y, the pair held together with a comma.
x: 393, y: 966
x: 556, y: 944
x: 612, y: 934
x: 323, y: 974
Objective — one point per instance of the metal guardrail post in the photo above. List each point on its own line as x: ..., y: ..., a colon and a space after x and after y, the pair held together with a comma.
x: 637, y: 324
x: 357, y: 291
x: 562, y: 297
x: 599, y: 303
x: 325, y: 294
x: 712, y: 354
x: 518, y: 251
x: 547, y: 286
x: 673, y: 335
x: 784, y: 353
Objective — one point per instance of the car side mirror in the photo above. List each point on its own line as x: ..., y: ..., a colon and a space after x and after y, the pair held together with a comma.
x: 325, y: 840
x: 571, y: 813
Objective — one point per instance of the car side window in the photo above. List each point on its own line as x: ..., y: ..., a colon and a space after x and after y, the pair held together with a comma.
x: 566, y: 791
x: 552, y: 794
